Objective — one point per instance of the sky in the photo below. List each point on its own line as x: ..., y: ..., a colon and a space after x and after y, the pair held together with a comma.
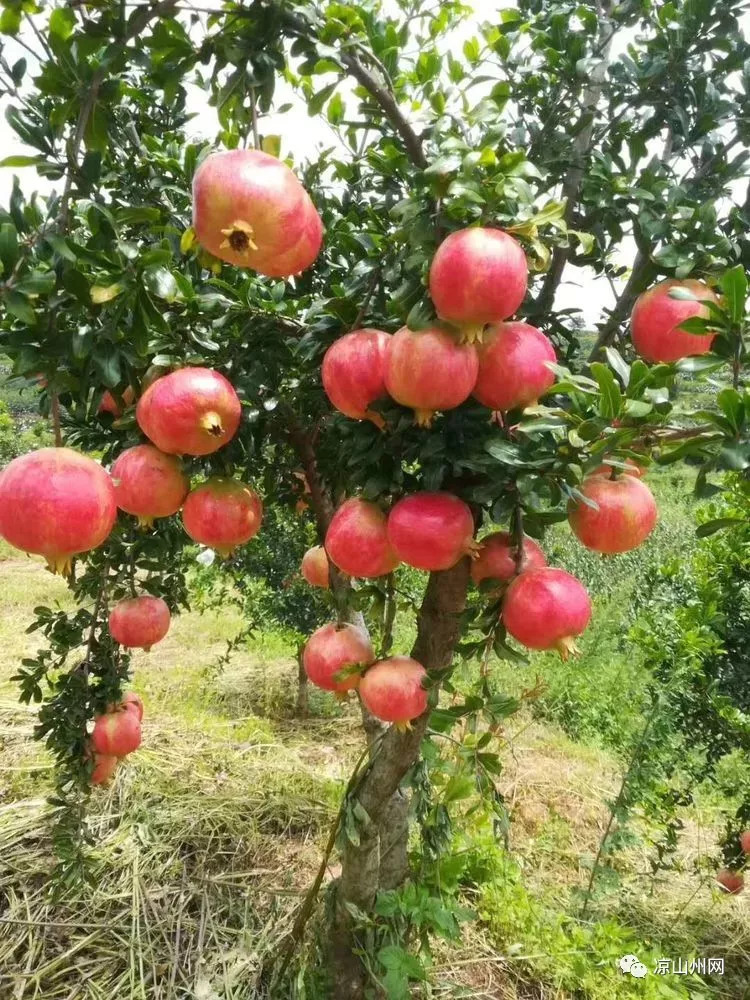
x: 581, y: 288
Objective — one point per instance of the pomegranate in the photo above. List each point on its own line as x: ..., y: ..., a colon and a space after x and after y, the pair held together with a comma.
x: 249, y: 209
x: 626, y: 515
x: 222, y: 513
x: 478, y: 276
x: 139, y: 622
x: 332, y: 648
x: 357, y: 540
x: 109, y: 404
x: 131, y: 702
x: 428, y: 371
x: 392, y: 691
x: 116, y: 733
x: 745, y: 841
x: 353, y: 373
x: 432, y: 531
x: 314, y: 567
x: 149, y: 483
x: 55, y: 502
x: 731, y: 882
x: 546, y: 609
x: 656, y: 317
x: 191, y: 411
x: 104, y: 767
x: 513, y: 372
x: 497, y: 557
x: 611, y: 472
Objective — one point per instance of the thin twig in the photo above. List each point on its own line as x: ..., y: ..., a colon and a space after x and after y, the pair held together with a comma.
x: 55, y: 412
x: 366, y: 301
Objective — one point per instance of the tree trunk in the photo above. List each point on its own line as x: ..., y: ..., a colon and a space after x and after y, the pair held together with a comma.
x: 381, y: 851
x: 303, y: 701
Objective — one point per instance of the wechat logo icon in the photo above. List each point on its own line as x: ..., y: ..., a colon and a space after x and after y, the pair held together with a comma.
x: 630, y: 965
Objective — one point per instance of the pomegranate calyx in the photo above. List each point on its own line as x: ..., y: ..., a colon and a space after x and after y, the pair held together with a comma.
x: 471, y: 334
x: 423, y: 418
x: 62, y: 565
x: 566, y: 647
x: 211, y: 423
x: 239, y: 238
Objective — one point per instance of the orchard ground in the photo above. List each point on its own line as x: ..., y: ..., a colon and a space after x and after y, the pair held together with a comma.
x: 209, y: 836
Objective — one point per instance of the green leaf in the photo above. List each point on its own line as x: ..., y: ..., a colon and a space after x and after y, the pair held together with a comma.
x: 335, y: 110
x: 61, y: 247
x: 9, y: 250
x: 610, y: 403
x: 619, y: 364
x: 731, y: 405
x: 696, y: 325
x: 160, y: 282
x: 105, y: 293
x: 62, y: 22
x: 20, y: 307
x: 10, y: 21
x: 711, y: 527
x: 460, y: 786
x: 21, y: 161
x: 271, y: 144
x: 734, y: 288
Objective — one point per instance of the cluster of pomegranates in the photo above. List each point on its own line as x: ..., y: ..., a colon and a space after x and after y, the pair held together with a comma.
x: 116, y: 734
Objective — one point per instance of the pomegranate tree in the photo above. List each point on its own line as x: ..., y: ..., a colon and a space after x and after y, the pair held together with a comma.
x: 191, y: 411
x: 656, y: 317
x: 353, y: 373
x: 315, y: 567
x: 334, y: 648
x: 56, y: 503
x: 139, y: 622
x: 148, y: 483
x: 392, y: 690
x: 429, y: 370
x: 497, y: 557
x: 513, y: 366
x: 249, y: 209
x: 546, y: 609
x: 222, y: 513
x: 357, y: 540
x: 477, y: 276
x: 116, y: 733
x: 431, y: 531
x: 624, y: 516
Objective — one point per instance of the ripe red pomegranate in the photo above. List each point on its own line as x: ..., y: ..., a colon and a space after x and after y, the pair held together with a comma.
x: 392, y: 691
x: 139, y: 622
x: 109, y: 404
x: 656, y: 317
x: 314, y: 567
x: 149, y: 483
x: 222, y: 513
x: 631, y: 468
x: 332, y: 648
x: 513, y: 372
x: 116, y: 733
x: 104, y: 767
x: 353, y: 373
x: 429, y: 370
x: 745, y: 841
x: 191, y: 411
x: 546, y: 609
x: 357, y: 540
x: 131, y: 702
x: 731, y: 882
x: 431, y: 531
x: 478, y: 276
x: 55, y: 502
x: 626, y: 515
x: 497, y: 557
x: 249, y: 209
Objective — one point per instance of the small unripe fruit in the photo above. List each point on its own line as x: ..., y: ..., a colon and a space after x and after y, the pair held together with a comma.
x: 315, y: 567
x: 116, y: 733
x: 431, y: 531
x: 626, y: 514
x: 392, y: 691
x: 333, y: 648
x: 546, y: 609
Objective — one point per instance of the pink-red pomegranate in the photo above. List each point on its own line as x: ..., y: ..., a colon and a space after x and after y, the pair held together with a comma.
x: 432, y: 531
x: 631, y: 468
x: 429, y: 370
x: 56, y: 503
x: 547, y: 609
x: 353, y: 373
x: 110, y: 405
x: 333, y: 648
x: 249, y: 209
x: 745, y: 841
x: 116, y: 733
x: 105, y: 766
x: 626, y: 514
x: 656, y: 317
x: 478, y: 276
x: 139, y: 622
x: 131, y: 702
x: 191, y: 411
x: 222, y: 513
x: 357, y: 540
x: 730, y: 881
x: 148, y: 483
x: 513, y: 370
x: 392, y: 691
x: 497, y: 557
x: 315, y: 568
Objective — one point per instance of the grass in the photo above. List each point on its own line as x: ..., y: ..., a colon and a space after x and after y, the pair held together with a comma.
x: 209, y: 835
